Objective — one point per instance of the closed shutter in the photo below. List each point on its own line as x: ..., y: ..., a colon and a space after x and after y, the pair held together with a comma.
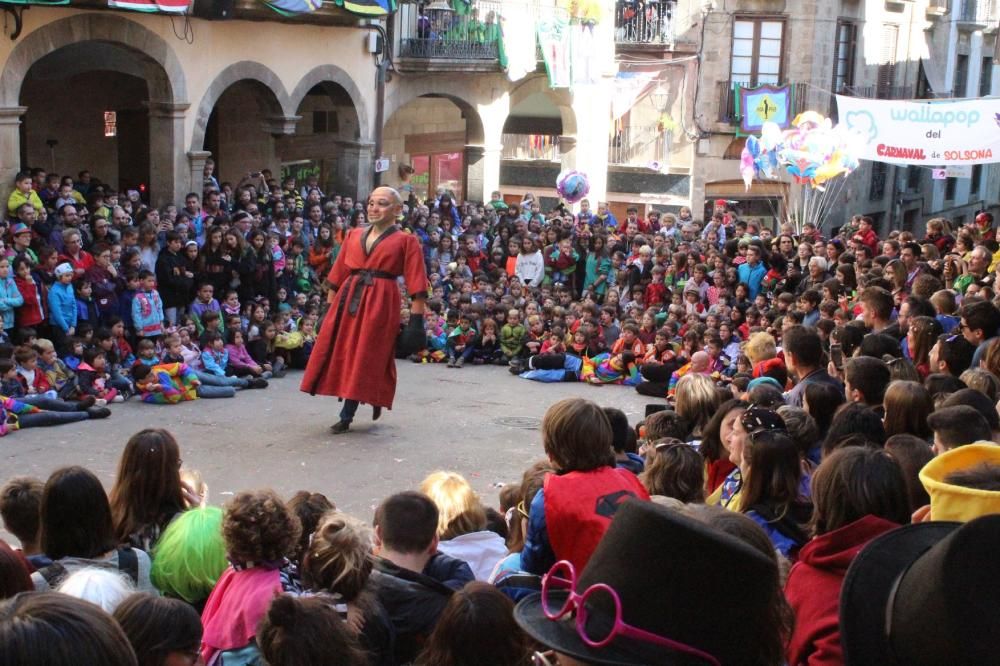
x: 887, y: 61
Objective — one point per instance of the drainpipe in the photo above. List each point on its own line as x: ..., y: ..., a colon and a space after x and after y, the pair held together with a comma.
x: 381, y: 76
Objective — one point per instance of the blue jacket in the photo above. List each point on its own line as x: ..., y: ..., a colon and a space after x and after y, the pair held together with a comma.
x: 215, y: 362
x: 62, y: 306
x: 752, y: 276
x: 147, y: 313
x: 537, y: 556
x: 10, y: 298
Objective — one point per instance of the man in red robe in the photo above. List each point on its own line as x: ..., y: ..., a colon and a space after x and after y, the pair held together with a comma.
x: 354, y: 354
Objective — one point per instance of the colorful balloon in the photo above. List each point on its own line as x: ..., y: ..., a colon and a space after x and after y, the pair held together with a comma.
x: 572, y: 185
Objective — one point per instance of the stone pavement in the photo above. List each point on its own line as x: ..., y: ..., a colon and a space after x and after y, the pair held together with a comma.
x: 479, y: 421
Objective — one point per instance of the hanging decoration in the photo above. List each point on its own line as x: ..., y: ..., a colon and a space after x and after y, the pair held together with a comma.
x: 152, y: 6
x: 816, y: 154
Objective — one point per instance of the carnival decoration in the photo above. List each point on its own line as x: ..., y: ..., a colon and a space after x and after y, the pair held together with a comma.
x: 572, y: 186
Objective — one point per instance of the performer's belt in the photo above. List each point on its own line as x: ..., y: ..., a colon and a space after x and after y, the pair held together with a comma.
x: 365, y: 278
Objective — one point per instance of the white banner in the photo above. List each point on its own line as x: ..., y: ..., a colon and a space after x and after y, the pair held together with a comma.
x: 931, y: 133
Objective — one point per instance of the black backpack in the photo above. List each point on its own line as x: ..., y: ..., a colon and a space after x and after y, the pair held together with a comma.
x: 128, y: 563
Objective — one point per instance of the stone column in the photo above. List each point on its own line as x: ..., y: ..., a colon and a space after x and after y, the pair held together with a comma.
x: 474, y: 164
x: 168, y: 165
x: 10, y: 147
x: 196, y: 171
x: 567, y: 152
x: 355, y: 169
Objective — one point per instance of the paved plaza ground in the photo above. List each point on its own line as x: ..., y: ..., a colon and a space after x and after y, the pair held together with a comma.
x: 479, y: 421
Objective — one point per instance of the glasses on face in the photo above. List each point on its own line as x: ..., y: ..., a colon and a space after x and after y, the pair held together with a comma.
x: 561, y: 578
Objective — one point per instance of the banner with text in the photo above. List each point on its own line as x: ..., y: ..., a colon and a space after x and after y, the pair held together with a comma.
x: 931, y: 133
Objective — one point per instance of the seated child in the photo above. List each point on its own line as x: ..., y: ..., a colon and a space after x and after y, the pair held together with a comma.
x: 568, y: 517
x: 62, y: 379
x: 146, y: 350
x: 202, y: 304
x: 611, y: 369
x: 461, y: 342
x: 487, y: 345
x: 215, y: 360
x: 241, y: 363
x: 171, y: 383
x: 175, y: 351
x: 93, y: 376
x: 264, y: 351
x: 33, y: 379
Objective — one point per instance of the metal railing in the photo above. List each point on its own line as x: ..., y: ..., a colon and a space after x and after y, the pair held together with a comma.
x: 879, y: 92
x: 729, y: 94
x: 530, y: 147
x: 638, y: 146
x: 644, y: 21
x: 979, y: 12
x: 431, y: 33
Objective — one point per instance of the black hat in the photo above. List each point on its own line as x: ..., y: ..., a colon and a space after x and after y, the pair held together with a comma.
x: 677, y: 578
x: 924, y: 594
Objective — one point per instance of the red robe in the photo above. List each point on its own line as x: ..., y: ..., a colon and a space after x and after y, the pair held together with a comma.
x: 354, y: 353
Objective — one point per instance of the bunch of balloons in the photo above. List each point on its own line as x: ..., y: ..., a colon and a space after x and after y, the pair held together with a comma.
x: 813, y: 151
x: 572, y: 185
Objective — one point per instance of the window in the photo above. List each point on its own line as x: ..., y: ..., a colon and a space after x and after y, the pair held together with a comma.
x: 976, y: 189
x: 325, y: 122
x: 949, y: 188
x: 886, y: 77
x: 846, y: 48
x: 986, y: 77
x: 913, y: 178
x: 435, y: 170
x: 757, y: 51
x: 880, y: 173
x: 961, y: 86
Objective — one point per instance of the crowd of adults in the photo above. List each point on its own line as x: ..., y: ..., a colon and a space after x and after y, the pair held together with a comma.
x: 816, y: 479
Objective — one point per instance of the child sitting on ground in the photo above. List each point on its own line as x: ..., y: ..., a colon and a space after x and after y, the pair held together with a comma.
x: 62, y: 379
x: 93, y: 377
x: 241, y: 363
x: 568, y: 517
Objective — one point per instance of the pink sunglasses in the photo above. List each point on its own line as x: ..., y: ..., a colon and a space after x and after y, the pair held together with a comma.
x: 562, y: 578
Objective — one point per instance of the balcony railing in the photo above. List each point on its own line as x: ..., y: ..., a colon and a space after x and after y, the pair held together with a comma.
x: 430, y: 33
x: 640, y: 145
x: 530, y: 147
x: 879, y: 92
x: 976, y: 12
x: 644, y: 21
x: 729, y: 94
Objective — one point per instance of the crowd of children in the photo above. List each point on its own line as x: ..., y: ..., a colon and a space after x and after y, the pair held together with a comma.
x: 816, y: 480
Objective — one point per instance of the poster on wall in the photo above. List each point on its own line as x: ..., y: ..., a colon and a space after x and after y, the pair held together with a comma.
x: 764, y: 104
x: 930, y: 133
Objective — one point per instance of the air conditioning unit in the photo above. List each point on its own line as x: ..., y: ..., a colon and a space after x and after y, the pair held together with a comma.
x: 937, y: 8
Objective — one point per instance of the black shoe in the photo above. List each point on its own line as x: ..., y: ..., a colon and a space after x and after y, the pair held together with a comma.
x: 98, y: 412
x: 85, y: 403
x: 376, y: 413
x: 258, y: 383
x: 340, y: 427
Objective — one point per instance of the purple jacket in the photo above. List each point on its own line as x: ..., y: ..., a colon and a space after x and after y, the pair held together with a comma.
x: 239, y: 357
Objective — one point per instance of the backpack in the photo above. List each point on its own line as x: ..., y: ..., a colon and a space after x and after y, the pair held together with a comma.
x: 128, y: 563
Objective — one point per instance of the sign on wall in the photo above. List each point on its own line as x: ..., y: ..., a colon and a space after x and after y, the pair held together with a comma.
x: 931, y: 133
x: 764, y: 104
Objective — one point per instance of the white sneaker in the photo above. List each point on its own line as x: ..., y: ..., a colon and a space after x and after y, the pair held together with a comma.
x: 101, y: 402
x: 117, y: 398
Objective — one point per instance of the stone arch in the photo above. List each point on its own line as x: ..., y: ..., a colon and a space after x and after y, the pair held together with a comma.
x: 561, y: 98
x: 455, y: 90
x: 245, y: 70
x: 334, y: 74
x: 167, y: 83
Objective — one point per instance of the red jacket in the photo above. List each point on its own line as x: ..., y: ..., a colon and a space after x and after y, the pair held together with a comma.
x: 579, y: 507
x: 813, y: 590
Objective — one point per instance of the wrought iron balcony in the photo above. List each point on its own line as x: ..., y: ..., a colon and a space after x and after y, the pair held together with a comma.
x: 443, y: 39
x: 640, y: 146
x: 646, y: 22
x: 879, y: 92
x: 530, y: 147
x: 729, y: 94
x: 976, y: 13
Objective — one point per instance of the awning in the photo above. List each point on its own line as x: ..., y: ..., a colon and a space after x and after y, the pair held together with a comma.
x: 735, y: 189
